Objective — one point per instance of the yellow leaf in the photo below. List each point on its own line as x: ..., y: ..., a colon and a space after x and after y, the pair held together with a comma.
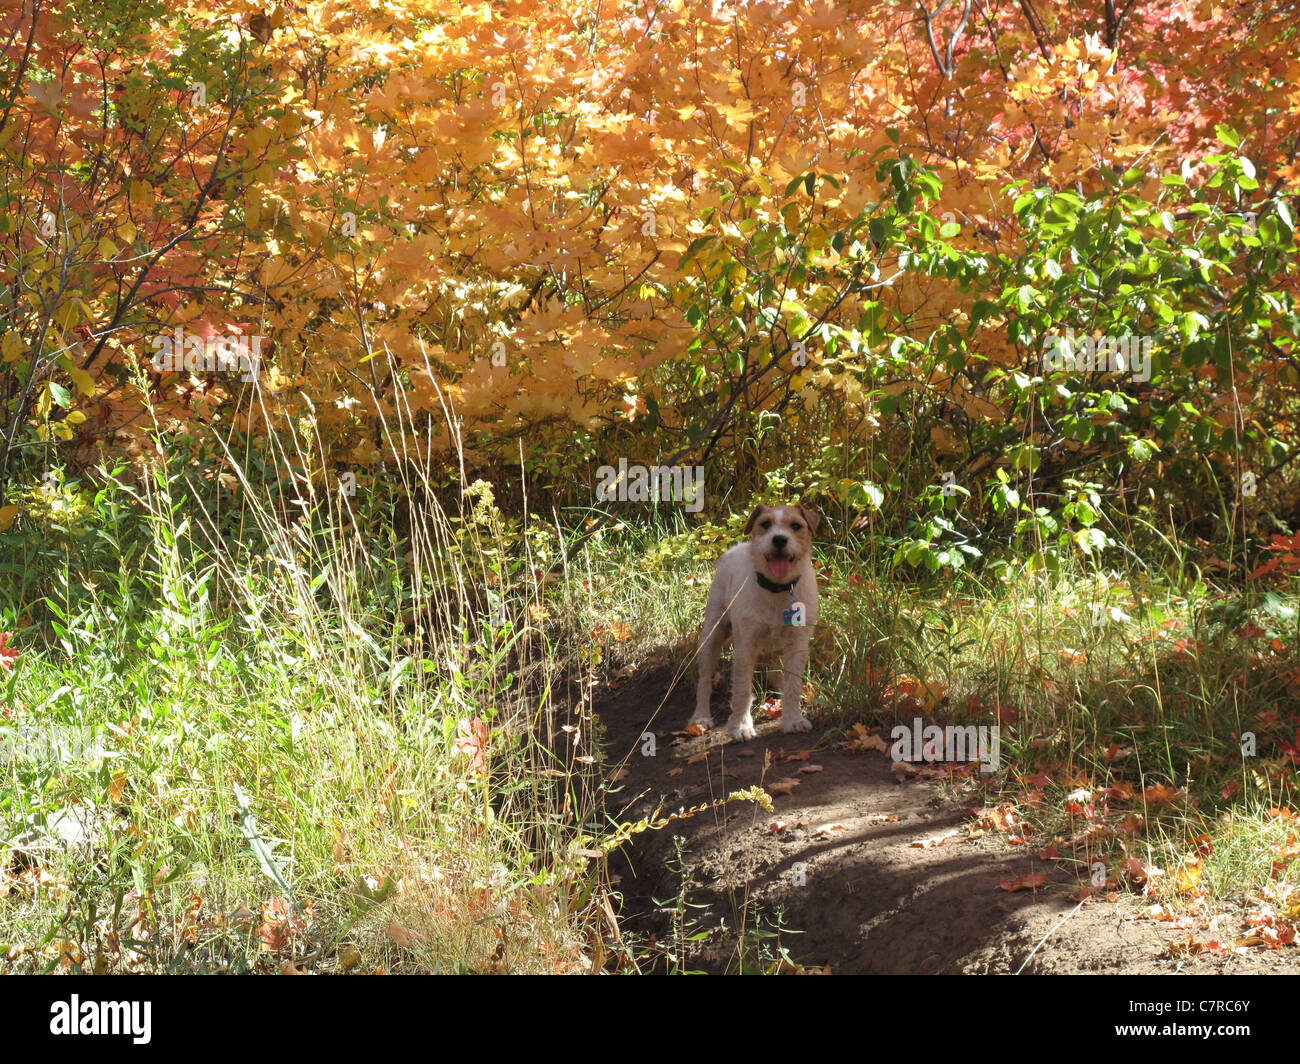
x: 107, y: 249
x: 7, y: 516
x: 84, y: 381
x: 11, y: 346
x: 258, y: 139
x: 68, y: 315
x: 75, y: 417
x: 126, y: 230
x: 1188, y: 875
x: 115, y: 786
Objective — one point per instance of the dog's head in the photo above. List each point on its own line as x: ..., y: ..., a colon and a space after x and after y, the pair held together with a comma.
x: 780, y: 538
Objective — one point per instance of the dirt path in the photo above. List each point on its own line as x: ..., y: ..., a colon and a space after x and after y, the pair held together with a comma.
x: 864, y: 897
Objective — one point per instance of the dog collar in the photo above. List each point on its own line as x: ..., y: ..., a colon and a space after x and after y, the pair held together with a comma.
x: 769, y: 585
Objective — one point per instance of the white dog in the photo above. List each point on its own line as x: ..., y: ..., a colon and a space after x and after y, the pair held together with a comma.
x: 764, y: 596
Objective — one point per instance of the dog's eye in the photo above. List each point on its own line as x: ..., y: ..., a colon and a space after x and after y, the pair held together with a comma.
x: 765, y: 525
x: 796, y: 526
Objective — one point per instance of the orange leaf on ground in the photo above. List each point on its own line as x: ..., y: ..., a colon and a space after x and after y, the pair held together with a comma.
x: 1026, y: 882
x: 1188, y: 876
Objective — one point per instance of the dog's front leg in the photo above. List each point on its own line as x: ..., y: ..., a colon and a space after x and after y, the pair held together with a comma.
x: 740, y: 725
x: 793, y: 663
x: 710, y: 648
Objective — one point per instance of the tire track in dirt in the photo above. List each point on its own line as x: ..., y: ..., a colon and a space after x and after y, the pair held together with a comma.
x: 864, y: 898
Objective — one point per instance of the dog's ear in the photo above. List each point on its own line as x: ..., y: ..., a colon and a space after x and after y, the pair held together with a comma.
x: 749, y: 525
x: 811, y: 518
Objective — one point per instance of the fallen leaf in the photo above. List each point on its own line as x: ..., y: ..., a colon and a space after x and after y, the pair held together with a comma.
x: 275, y: 924
x: 1188, y: 876
x: 401, y: 936
x: 1159, y: 793
x: 1026, y: 882
x: 937, y: 840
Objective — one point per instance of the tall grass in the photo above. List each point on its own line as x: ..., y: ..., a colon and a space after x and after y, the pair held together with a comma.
x: 389, y: 708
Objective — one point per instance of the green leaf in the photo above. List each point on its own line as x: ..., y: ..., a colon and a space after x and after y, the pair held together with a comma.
x: 270, y: 864
x: 1227, y: 136
x: 1140, y: 450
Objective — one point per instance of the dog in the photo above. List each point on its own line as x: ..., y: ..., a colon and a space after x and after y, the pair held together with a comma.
x: 764, y: 597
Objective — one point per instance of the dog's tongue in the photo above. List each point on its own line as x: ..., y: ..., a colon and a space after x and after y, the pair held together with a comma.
x: 780, y: 568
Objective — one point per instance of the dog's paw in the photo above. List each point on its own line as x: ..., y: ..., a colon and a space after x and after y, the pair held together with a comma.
x: 742, y: 730
x: 699, y: 724
x: 798, y: 724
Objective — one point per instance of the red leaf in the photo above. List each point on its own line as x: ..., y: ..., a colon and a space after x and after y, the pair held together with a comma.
x: 7, y: 654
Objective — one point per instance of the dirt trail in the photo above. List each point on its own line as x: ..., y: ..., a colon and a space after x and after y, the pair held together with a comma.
x: 867, y: 899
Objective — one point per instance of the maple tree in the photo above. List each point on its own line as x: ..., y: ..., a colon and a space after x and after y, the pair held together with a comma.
x: 711, y: 228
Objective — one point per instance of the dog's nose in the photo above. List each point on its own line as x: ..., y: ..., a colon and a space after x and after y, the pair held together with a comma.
x: 779, y: 542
